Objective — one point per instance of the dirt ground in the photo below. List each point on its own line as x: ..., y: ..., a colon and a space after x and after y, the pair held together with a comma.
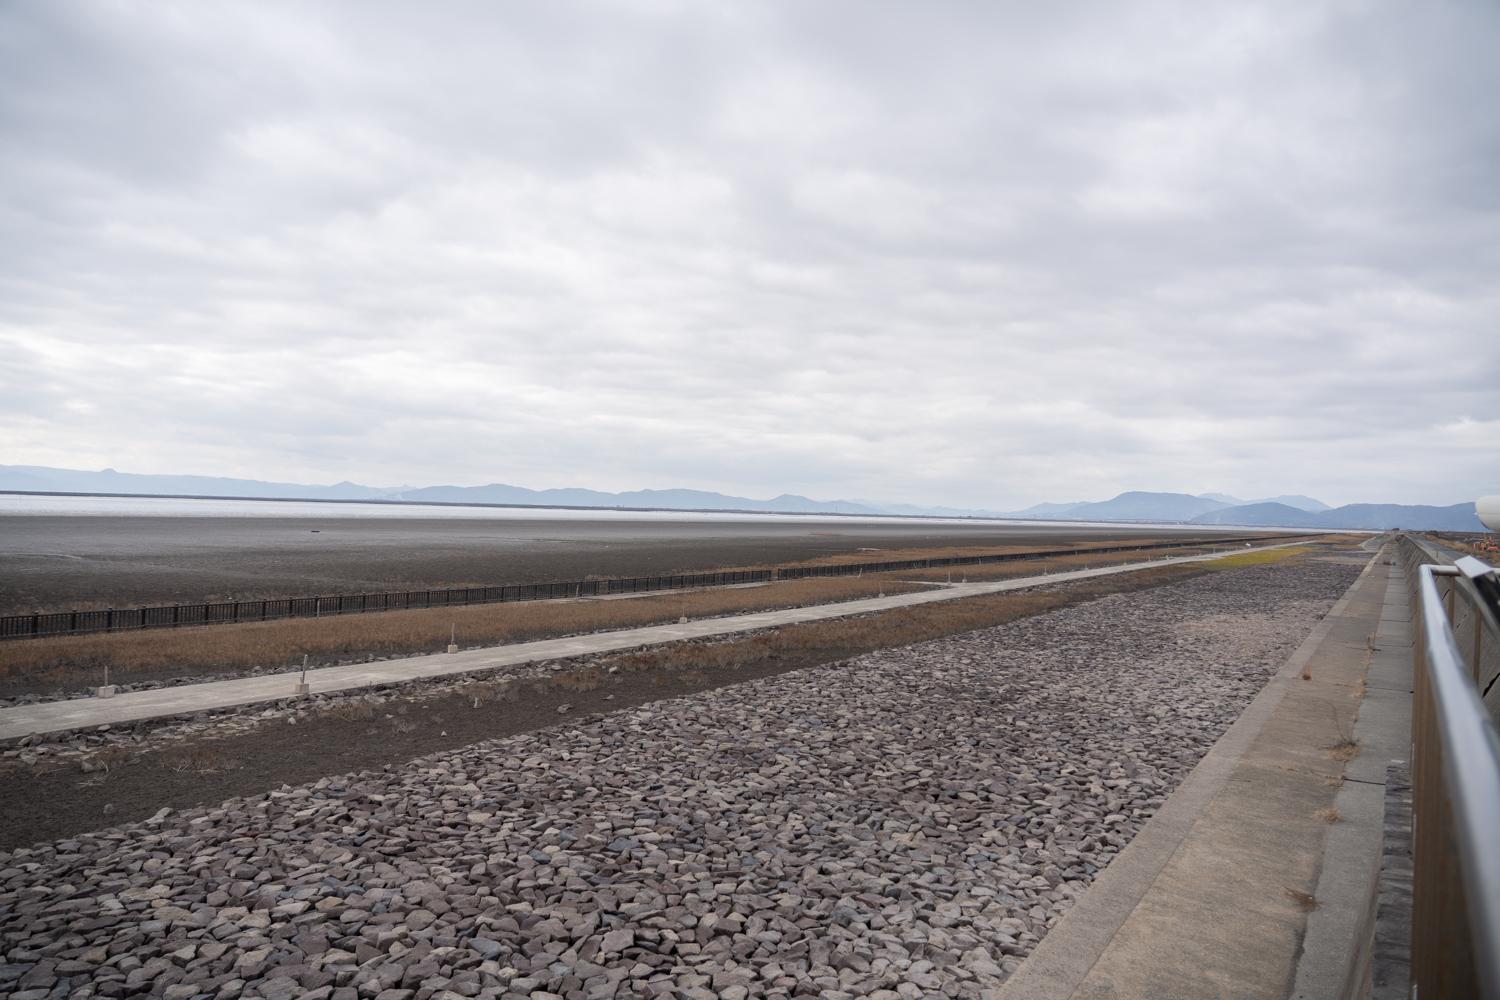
x: 45, y: 802
x: 55, y: 666
x: 54, y: 562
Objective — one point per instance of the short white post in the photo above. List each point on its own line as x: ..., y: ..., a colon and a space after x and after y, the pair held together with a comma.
x: 453, y: 639
x: 301, y: 686
x: 108, y: 689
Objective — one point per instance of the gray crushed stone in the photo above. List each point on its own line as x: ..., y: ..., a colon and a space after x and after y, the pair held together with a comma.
x: 907, y: 824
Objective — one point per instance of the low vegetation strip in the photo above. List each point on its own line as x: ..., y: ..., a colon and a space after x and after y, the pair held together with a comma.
x: 130, y: 772
x: 136, y: 659
x: 76, y: 621
x: 907, y: 824
x: 56, y: 667
x: 64, y: 714
x: 1258, y: 557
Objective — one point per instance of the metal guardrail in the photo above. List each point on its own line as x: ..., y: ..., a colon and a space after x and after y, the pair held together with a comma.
x: 1455, y: 779
x: 57, y: 623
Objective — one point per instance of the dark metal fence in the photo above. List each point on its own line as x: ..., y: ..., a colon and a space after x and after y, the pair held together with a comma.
x: 57, y: 623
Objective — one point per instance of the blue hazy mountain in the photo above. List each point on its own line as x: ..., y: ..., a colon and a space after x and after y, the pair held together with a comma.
x: 1356, y: 516
x: 42, y: 479
x: 1296, y: 500
x: 1288, y: 511
x: 787, y: 503
x: 1291, y: 511
x: 1135, y: 505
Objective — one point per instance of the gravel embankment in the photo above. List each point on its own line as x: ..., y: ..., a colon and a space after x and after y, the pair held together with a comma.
x: 906, y: 824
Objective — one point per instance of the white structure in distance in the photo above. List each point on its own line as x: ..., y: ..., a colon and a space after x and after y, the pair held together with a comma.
x: 1488, y: 509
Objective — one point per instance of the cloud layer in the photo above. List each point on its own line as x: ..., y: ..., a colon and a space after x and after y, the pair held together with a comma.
x: 947, y: 253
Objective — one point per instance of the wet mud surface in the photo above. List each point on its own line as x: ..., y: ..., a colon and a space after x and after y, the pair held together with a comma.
x: 49, y: 562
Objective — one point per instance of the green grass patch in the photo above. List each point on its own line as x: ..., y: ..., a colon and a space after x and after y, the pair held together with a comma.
x: 1260, y: 557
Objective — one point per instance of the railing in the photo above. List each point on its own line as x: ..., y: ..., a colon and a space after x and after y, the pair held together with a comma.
x: 55, y: 623
x: 1455, y: 777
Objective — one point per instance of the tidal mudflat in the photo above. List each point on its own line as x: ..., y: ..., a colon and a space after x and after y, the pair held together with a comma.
x: 52, y: 561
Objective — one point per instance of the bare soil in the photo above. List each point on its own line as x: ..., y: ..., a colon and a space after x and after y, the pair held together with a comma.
x: 53, y: 562
x: 56, y: 666
x: 50, y: 801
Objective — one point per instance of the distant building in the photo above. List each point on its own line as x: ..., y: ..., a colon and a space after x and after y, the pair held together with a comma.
x: 1488, y: 509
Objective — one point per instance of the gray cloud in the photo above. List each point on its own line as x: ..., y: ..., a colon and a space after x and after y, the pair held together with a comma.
x: 951, y: 253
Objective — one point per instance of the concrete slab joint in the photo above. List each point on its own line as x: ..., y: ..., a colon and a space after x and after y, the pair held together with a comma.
x: 1259, y: 875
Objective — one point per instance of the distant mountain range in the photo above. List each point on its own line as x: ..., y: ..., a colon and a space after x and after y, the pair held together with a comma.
x: 1278, y: 512
x: 1288, y: 511
x: 41, y: 479
x: 1140, y: 506
x: 1359, y: 516
x: 787, y: 503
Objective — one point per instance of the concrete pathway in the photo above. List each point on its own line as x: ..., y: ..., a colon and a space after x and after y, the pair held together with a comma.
x: 1244, y: 865
x: 80, y: 713
x: 1341, y: 955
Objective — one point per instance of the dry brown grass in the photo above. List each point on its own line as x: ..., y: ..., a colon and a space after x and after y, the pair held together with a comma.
x: 71, y: 662
x: 1006, y: 571
x: 931, y: 552
x: 899, y: 554
x: 200, y: 759
x: 587, y: 679
x: 350, y: 711
x: 839, y: 638
x: 1344, y: 750
x: 1258, y: 557
x: 1329, y: 815
x: 109, y: 758
x: 495, y: 691
x: 78, y: 661
x: 1306, y: 900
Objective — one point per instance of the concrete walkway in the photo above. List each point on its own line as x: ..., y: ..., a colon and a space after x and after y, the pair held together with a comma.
x: 1246, y: 862
x: 80, y: 713
x: 1340, y: 952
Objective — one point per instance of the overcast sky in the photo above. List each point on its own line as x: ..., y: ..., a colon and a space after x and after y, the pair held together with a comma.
x: 978, y: 254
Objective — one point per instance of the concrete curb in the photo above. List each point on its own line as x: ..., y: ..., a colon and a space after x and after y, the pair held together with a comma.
x: 1069, y: 951
x: 1336, y: 948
